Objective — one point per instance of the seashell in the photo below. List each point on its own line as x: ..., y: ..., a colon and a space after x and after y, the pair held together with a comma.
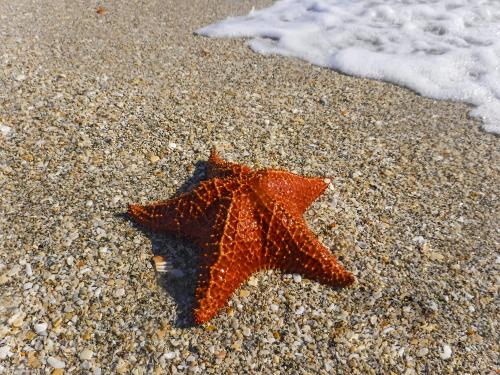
x: 161, y: 264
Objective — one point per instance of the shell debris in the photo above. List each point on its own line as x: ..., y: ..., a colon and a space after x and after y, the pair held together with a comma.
x: 161, y: 264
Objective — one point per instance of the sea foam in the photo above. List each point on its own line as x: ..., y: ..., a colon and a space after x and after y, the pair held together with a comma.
x: 444, y: 49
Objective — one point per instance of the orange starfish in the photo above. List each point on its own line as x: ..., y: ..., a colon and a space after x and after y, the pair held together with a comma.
x: 245, y: 221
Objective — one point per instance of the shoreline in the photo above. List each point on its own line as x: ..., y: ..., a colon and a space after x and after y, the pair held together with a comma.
x: 110, y: 109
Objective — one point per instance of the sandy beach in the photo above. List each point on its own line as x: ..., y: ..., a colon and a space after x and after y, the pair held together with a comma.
x: 103, y: 107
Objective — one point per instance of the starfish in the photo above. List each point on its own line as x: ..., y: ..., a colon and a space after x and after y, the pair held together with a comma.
x: 245, y: 221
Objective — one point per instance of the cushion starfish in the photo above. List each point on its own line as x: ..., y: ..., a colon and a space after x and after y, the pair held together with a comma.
x: 245, y: 221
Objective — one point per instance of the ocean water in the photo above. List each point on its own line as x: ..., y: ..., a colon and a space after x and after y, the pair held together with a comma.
x: 443, y: 49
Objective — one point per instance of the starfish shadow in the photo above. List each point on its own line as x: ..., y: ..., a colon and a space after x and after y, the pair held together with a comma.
x: 182, y: 263
x: 182, y: 258
x: 199, y: 174
x: 180, y: 281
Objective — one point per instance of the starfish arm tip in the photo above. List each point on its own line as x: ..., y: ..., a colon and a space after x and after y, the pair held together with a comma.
x: 135, y: 211
x: 201, y: 317
x: 350, y: 279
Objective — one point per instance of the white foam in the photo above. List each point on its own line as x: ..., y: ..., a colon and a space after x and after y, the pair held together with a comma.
x: 444, y: 49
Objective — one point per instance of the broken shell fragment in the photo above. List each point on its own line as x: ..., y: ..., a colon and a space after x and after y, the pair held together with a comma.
x: 160, y: 264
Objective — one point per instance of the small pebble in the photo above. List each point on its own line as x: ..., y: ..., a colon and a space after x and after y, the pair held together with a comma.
x: 55, y: 362
x: 86, y: 355
x: 4, y: 279
x: 29, y: 270
x: 40, y: 328
x: 434, y: 255
x: 70, y: 260
x: 14, y: 270
x: 422, y: 352
x: 300, y: 310
x: 5, y: 352
x: 433, y: 306
x: 5, y: 130
x: 253, y: 281
x: 17, y: 319
x: 104, y: 252
x: 332, y: 307
x: 297, y: 278
x: 122, y: 367
x: 120, y: 292
x: 361, y: 244
x: 419, y: 240
x: 236, y: 345
x: 446, y: 353
x: 169, y: 355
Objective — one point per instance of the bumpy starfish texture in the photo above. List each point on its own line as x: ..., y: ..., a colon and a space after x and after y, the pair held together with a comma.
x: 245, y: 221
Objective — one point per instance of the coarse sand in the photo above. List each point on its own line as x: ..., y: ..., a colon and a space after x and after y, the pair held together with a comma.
x: 106, y: 104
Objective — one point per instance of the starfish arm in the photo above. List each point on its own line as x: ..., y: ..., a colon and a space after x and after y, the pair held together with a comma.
x: 293, y: 248
x: 217, y: 284
x: 294, y: 192
x: 177, y: 216
x: 227, y: 263
x: 218, y: 167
